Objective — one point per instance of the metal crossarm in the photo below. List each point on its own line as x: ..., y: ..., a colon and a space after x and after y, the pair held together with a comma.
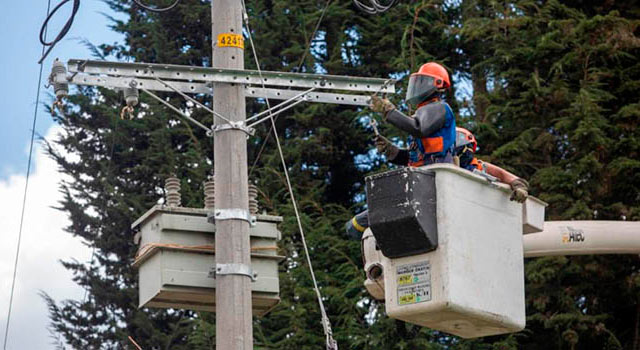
x: 204, y: 88
x: 205, y: 74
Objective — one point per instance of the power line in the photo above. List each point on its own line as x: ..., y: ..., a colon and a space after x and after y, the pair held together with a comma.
x: 374, y: 7
x: 63, y: 31
x: 308, y: 47
x: 26, y: 187
x: 156, y: 9
x: 315, y: 30
x: 326, y: 323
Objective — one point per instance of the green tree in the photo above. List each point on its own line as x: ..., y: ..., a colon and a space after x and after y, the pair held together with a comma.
x: 553, y: 99
x: 562, y: 113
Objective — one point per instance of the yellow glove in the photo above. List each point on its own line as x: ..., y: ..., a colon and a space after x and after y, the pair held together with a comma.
x: 384, y: 146
x: 381, y: 105
x: 520, y: 190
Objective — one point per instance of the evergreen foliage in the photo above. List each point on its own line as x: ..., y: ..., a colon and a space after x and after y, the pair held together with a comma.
x: 554, y: 99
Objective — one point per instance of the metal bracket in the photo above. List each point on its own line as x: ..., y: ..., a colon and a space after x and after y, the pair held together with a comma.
x: 234, y: 126
x: 492, y: 180
x: 233, y: 269
x: 200, y: 80
x: 232, y: 214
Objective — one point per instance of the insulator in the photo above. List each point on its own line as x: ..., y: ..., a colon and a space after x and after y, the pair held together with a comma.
x: 209, y: 194
x: 253, y: 199
x: 172, y: 189
x: 131, y: 96
x: 61, y: 89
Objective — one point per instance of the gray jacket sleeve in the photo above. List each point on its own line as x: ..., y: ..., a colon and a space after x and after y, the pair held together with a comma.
x: 427, y: 120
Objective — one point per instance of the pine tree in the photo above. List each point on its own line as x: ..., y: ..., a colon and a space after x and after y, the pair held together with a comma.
x: 554, y: 100
x: 560, y: 114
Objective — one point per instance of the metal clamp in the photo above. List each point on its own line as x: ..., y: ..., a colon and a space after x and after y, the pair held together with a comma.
x: 232, y: 214
x: 233, y: 269
x: 234, y: 126
x: 493, y: 181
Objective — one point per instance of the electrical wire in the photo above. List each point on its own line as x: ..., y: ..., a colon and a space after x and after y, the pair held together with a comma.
x: 331, y: 344
x: 24, y: 197
x: 315, y: 30
x: 317, y: 26
x: 374, y: 7
x: 155, y: 9
x: 63, y: 31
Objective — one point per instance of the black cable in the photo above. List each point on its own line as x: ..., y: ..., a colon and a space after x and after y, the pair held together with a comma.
x: 374, y: 7
x: 24, y: 199
x: 63, y: 32
x: 155, y: 9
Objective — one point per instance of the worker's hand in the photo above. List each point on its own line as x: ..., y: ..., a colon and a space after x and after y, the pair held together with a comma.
x: 520, y: 190
x: 384, y: 146
x: 381, y: 105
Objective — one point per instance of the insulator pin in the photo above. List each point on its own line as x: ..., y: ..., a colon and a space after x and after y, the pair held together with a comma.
x: 172, y: 189
x: 253, y: 199
x: 59, y: 71
x: 131, y: 96
x: 209, y: 194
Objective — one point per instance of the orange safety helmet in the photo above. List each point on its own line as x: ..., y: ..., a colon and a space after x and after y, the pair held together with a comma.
x: 464, y: 137
x: 430, y: 78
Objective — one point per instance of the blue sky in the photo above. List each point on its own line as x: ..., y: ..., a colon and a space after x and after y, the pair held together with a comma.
x: 44, y: 240
x: 20, y: 21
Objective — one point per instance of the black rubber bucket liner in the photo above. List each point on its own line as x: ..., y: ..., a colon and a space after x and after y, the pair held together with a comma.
x: 402, y: 211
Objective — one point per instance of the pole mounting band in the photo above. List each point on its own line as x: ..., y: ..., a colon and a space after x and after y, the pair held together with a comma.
x: 233, y: 269
x: 231, y: 214
x: 234, y: 126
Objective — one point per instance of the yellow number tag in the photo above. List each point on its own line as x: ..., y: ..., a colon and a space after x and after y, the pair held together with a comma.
x: 405, y: 279
x: 407, y: 299
x: 230, y: 39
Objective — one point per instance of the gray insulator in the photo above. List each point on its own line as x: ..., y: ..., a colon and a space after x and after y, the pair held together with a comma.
x: 61, y: 89
x: 209, y: 194
x: 131, y: 96
x: 172, y: 189
x: 253, y: 199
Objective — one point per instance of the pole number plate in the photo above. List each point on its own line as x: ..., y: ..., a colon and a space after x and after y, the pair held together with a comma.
x: 230, y: 39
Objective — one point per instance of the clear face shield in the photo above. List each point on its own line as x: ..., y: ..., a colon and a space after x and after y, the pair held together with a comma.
x: 464, y: 150
x: 420, y: 88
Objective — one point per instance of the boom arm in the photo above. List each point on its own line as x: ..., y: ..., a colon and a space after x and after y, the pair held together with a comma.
x: 584, y: 238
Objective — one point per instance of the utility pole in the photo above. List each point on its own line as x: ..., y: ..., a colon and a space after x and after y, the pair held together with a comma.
x: 231, y: 85
x: 234, y: 329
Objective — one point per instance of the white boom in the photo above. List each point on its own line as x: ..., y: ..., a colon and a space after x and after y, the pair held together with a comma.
x: 584, y: 238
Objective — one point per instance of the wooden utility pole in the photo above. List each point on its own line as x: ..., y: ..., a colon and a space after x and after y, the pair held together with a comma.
x: 234, y: 330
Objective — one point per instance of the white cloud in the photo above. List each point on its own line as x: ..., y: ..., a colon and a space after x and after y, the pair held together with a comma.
x: 44, y: 243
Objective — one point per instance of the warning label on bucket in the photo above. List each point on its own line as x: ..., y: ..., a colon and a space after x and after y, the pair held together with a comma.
x: 414, y: 283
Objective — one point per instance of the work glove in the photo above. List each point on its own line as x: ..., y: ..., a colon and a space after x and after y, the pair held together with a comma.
x: 384, y: 146
x: 356, y: 226
x: 520, y: 190
x: 381, y: 105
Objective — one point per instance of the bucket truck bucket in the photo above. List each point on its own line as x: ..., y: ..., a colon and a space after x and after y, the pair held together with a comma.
x: 452, y: 257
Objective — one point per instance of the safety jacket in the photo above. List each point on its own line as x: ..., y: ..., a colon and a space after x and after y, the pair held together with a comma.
x: 432, y: 131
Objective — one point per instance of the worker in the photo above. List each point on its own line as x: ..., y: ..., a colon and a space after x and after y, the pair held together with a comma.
x: 465, y: 150
x: 432, y: 128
